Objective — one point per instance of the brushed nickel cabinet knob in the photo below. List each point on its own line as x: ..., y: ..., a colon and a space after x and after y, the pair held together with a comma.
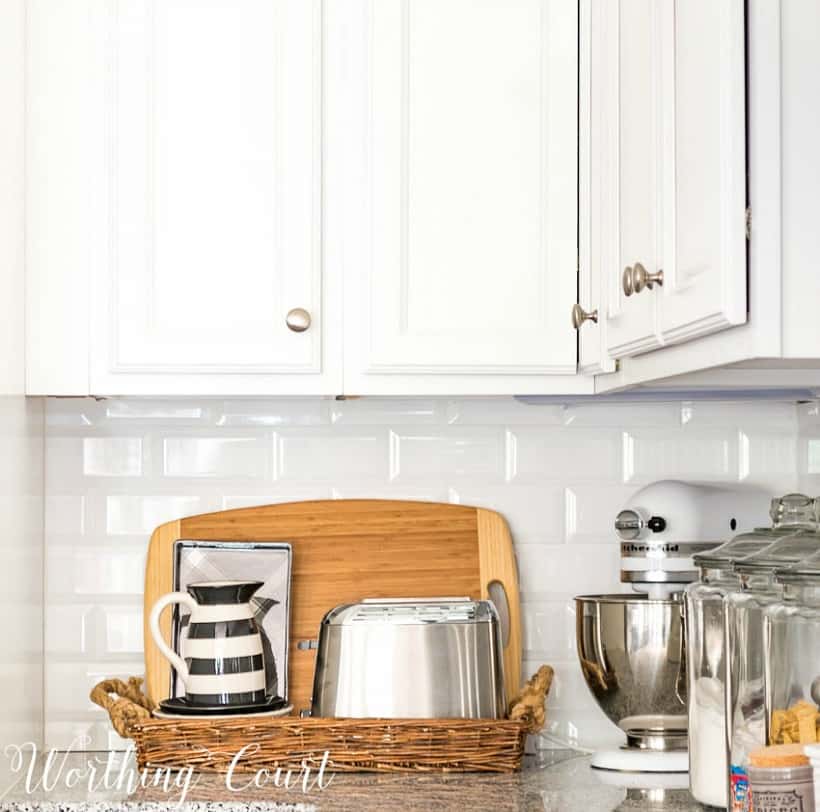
x: 579, y: 316
x: 641, y: 278
x: 626, y: 281
x: 298, y: 320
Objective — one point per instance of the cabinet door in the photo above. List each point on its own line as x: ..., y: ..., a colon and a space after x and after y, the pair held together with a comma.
x: 682, y: 171
x: 211, y: 190
x: 704, y: 168
x: 632, y: 26
x: 597, y: 183
x: 468, y: 260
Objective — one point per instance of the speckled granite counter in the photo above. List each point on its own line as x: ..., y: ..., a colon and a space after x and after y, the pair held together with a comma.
x: 553, y: 781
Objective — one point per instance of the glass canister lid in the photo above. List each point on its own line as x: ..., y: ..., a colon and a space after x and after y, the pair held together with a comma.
x: 784, y: 552
x: 807, y: 569
x: 793, y: 510
x: 790, y: 514
x: 801, y: 538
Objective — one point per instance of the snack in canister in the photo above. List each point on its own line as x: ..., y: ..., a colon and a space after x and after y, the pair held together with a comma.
x: 795, y: 725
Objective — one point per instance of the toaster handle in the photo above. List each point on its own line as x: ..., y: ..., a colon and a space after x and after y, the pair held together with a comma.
x: 498, y: 572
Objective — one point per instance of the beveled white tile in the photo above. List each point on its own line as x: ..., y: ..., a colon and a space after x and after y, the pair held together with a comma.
x: 122, y: 629
x: 768, y: 459
x: 420, y: 453
x: 535, y: 513
x: 111, y: 570
x: 703, y: 454
x: 69, y: 629
x: 502, y: 411
x: 548, y: 630
x: 276, y: 495
x: 69, y: 683
x: 771, y: 415
x: 590, y: 510
x: 621, y: 415
x: 64, y: 515
x: 535, y: 454
x: 411, y: 493
x: 387, y: 411
x: 331, y: 454
x: 156, y: 412
x: 137, y: 514
x: 226, y: 457
x: 555, y: 572
x: 71, y: 413
x: 112, y: 456
x: 279, y: 412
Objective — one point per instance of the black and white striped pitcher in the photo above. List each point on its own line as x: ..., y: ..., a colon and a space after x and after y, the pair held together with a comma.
x: 222, y: 661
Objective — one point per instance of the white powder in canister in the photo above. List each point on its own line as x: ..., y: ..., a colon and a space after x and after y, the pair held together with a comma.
x: 707, y: 742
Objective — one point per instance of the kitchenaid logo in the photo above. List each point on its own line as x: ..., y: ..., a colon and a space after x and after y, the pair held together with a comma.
x: 54, y: 770
x: 630, y: 547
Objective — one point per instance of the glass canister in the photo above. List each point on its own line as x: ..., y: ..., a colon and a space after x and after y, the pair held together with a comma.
x: 706, y: 652
x: 792, y: 661
x: 744, y: 607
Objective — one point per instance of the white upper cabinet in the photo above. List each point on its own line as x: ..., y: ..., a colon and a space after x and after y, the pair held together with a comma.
x: 463, y: 273
x: 207, y: 194
x: 681, y: 200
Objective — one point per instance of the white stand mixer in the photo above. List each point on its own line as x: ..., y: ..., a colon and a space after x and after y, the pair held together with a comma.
x: 631, y: 645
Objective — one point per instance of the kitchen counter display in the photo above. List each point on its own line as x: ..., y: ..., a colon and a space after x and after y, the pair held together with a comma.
x: 554, y: 781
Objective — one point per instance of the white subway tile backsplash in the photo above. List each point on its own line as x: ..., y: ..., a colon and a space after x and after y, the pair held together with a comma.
x: 226, y: 457
x: 65, y: 515
x: 558, y: 473
x: 116, y: 569
x: 151, y: 411
x: 112, y: 456
x: 537, y: 454
x: 708, y: 454
x: 127, y: 514
x: 274, y: 494
x: 69, y: 628
x: 623, y: 415
x: 386, y: 411
x: 329, y: 454
x: 502, y: 412
x: 419, y: 453
x: 767, y: 458
x: 122, y: 629
x: 282, y: 412
x: 560, y: 571
x: 549, y: 630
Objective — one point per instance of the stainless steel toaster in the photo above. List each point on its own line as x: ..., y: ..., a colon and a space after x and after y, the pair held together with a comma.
x: 410, y: 658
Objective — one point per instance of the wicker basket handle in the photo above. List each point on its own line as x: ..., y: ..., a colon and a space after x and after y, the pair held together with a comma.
x: 126, y: 703
x: 528, y: 706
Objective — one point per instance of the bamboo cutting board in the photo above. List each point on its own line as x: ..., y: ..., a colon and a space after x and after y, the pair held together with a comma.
x: 345, y: 550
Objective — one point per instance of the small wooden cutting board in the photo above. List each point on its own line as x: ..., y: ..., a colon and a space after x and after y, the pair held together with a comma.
x: 345, y: 550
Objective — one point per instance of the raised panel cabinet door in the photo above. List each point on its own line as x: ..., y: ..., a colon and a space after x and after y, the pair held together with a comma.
x: 632, y: 26
x: 211, y: 194
x: 704, y: 168
x: 597, y: 184
x: 468, y: 262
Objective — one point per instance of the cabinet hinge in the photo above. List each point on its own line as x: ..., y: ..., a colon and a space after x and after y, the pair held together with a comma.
x: 748, y: 222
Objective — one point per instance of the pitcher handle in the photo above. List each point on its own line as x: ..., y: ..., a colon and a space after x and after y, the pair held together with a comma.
x: 153, y: 623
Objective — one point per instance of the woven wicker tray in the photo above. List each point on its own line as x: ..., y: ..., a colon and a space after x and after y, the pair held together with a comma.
x: 351, y: 745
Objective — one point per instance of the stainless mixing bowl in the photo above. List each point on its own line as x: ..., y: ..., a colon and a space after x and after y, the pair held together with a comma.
x: 633, y: 660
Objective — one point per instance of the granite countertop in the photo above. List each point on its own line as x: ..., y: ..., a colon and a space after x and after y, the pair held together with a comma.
x: 553, y: 780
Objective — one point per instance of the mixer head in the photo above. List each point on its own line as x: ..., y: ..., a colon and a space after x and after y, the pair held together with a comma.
x: 664, y: 524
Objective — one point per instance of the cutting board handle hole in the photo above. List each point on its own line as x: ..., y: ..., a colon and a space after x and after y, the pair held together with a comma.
x: 498, y: 595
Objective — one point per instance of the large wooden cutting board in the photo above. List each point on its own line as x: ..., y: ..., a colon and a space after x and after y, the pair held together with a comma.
x: 345, y: 550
